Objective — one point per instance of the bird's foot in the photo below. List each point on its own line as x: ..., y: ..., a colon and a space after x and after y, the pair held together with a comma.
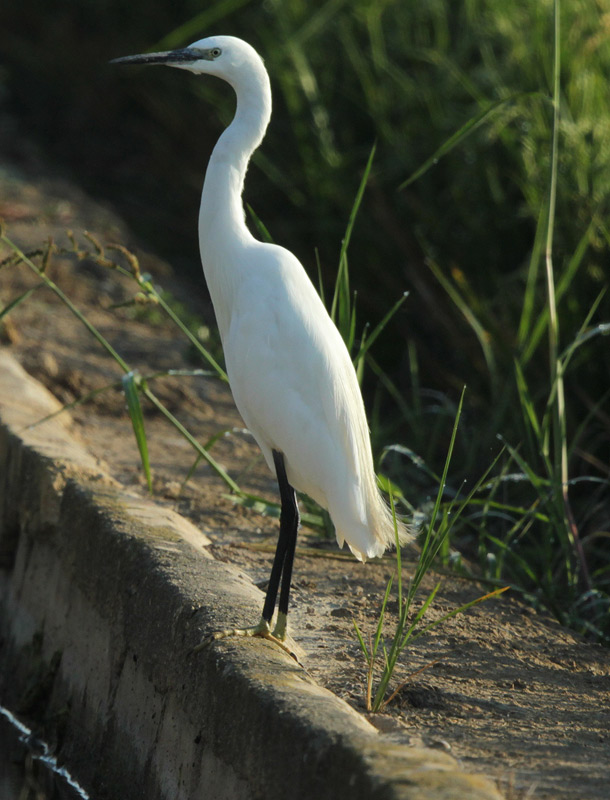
x: 262, y: 630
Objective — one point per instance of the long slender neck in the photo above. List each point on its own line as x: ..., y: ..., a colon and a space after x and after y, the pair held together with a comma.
x: 222, y: 225
x: 221, y: 203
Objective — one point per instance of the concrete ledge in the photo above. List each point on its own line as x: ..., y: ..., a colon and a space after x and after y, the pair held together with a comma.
x: 103, y: 596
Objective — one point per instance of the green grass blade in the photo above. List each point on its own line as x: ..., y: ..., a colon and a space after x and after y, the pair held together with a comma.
x: 539, y: 483
x: 532, y: 425
x: 351, y: 328
x: 359, y: 361
x: 424, y: 561
x: 397, y: 545
x: 147, y: 286
x: 319, y: 271
x: 414, y: 458
x: 459, y: 610
x: 342, y: 281
x: 521, y: 561
x: 14, y: 303
x: 358, y: 200
x: 207, y: 446
x: 260, y: 225
x: 556, y: 376
x: 131, y: 388
x: 465, y: 309
x: 585, y: 333
x: 420, y: 614
x: 361, y: 642
x: 558, y: 292
x: 192, y: 441
x: 378, y: 329
x: 529, y: 299
x: 379, y: 629
x: 79, y: 401
x: 458, y: 137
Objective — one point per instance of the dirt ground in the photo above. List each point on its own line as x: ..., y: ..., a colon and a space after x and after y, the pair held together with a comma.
x: 511, y: 694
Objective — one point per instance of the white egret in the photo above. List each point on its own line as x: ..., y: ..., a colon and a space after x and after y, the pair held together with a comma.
x: 290, y: 372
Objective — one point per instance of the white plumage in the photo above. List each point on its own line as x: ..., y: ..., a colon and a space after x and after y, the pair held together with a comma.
x: 289, y: 370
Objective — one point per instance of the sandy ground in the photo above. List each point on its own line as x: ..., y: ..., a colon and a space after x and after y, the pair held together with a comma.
x: 507, y: 692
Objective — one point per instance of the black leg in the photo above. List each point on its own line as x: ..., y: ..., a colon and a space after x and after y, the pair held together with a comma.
x: 280, y: 572
x: 290, y: 515
x: 286, y: 543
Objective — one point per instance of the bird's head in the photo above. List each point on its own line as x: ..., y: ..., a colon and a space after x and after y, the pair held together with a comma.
x: 223, y: 56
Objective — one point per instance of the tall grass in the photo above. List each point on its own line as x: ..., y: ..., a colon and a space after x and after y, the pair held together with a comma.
x: 532, y: 521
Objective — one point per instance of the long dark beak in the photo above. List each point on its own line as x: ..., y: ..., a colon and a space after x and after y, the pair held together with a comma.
x: 169, y: 57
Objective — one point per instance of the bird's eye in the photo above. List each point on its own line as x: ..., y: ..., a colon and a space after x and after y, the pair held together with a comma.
x: 216, y: 52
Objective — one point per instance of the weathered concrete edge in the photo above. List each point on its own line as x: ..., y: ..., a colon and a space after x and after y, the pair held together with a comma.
x: 134, y: 713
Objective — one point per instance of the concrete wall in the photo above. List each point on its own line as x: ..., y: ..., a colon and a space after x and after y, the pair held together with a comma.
x: 102, y: 598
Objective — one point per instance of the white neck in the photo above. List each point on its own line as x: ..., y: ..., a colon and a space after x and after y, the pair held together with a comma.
x: 222, y: 225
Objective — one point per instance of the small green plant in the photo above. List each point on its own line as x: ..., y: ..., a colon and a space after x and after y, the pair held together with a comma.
x: 410, y: 626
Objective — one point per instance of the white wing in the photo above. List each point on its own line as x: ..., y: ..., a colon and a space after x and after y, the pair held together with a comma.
x: 294, y: 384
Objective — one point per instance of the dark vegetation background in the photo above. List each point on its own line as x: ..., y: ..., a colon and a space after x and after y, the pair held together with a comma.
x: 461, y: 238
